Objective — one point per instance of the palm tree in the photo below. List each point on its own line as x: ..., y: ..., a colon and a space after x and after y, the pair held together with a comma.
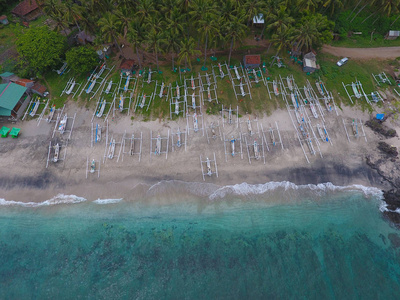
x: 235, y: 31
x: 207, y: 28
x: 305, y: 36
x: 125, y: 18
x: 333, y: 5
x: 110, y: 27
x: 390, y: 6
x: 187, y: 49
x: 154, y: 40
x: 73, y: 13
x: 135, y: 37
x: 280, y: 20
x: 145, y: 9
x: 282, y: 39
x: 252, y: 9
x: 172, y: 45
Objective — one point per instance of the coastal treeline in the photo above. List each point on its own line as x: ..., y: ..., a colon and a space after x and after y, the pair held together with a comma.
x: 180, y: 29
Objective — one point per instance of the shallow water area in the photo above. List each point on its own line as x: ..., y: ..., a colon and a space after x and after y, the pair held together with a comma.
x: 275, y: 240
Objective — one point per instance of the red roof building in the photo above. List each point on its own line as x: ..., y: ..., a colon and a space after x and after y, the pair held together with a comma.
x: 39, y: 89
x: 24, y: 82
x: 27, y: 10
x: 252, y: 61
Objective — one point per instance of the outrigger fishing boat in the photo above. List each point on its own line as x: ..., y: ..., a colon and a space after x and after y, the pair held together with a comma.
x: 176, y: 107
x: 34, y: 108
x: 294, y: 100
x: 111, y: 149
x: 193, y: 101
x: 108, y: 89
x: 51, y: 113
x: 275, y: 86
x: 374, y: 97
x: 158, y: 145
x: 178, y: 93
x: 69, y: 91
x: 320, y: 87
x: 214, y: 135
x: 327, y: 104
x: 161, y: 90
x: 289, y: 83
x: 56, y: 152
x: 241, y: 88
x: 192, y: 82
x: 103, y: 67
x: 220, y: 70
x: 233, y: 140
x: 63, y: 124
x: 178, y: 142
x: 121, y: 102
x: 249, y: 127
x: 98, y: 133
x: 102, y: 106
x: 236, y: 72
x: 143, y: 101
x: 93, y: 166
x: 230, y: 116
x: 195, y: 123
x: 356, y: 90
x: 255, y: 75
x: 256, y: 150
x: 313, y: 110
x: 271, y: 133
x: 127, y: 83
x: 91, y: 85
x: 132, y: 147
x: 209, y: 93
x: 149, y: 76
x: 208, y: 79
x: 354, y: 126
x: 208, y: 163
x: 320, y: 132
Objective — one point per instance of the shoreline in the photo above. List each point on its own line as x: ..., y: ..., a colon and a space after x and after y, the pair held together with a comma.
x: 27, y: 179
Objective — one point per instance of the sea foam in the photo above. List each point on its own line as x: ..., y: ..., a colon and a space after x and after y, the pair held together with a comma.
x: 107, y: 201
x: 59, y: 199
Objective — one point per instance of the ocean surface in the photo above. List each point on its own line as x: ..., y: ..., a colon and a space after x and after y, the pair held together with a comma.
x: 178, y: 240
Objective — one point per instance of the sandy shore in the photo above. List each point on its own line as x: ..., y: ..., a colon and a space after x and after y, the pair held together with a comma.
x: 26, y: 178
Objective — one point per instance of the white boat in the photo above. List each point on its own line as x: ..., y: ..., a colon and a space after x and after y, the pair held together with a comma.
x: 195, y: 123
x: 108, y: 89
x: 194, y: 101
x: 355, y: 90
x: 233, y: 140
x: 327, y: 104
x: 102, y: 106
x: 355, y: 128
x: 208, y: 162
x: 111, y: 149
x: 320, y: 132
x: 56, y: 152
x: 209, y: 94
x: 313, y: 110
x: 178, y: 143
x: 121, y: 103
x: 176, y: 107
x: 249, y: 127
x: 256, y: 150
x: 236, y: 72
x: 103, y: 67
x: 51, y: 114
x: 220, y: 70
x: 208, y: 79
x: 143, y: 101
x: 34, y: 108
x: 214, y: 135
x: 320, y: 87
x: 92, y: 166
x: 192, y: 82
x: 271, y: 133
x: 255, y: 75
x: 126, y: 86
x: 71, y: 88
x: 149, y: 77
x: 158, y: 145
x: 289, y: 83
x: 178, y: 92
x: 294, y: 100
x: 98, y: 133
x: 230, y: 116
x: 275, y: 86
x: 63, y: 124
x: 161, y: 90
x: 91, y: 85
x: 132, y: 147
x: 242, y: 89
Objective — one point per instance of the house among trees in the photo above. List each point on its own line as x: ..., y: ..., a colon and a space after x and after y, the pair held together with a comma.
x: 258, y: 20
x: 127, y: 66
x: 12, y: 101
x: 39, y: 89
x: 7, y: 77
x: 84, y: 38
x: 27, y: 10
x: 252, y: 61
x: 310, y: 62
x: 392, y: 35
x: 3, y: 20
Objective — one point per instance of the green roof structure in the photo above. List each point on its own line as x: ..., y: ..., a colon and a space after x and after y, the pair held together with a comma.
x: 10, y: 93
x: 15, y: 132
x: 6, y: 74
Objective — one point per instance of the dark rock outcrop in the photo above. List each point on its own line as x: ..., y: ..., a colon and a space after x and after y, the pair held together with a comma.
x: 378, y: 127
x: 387, y: 149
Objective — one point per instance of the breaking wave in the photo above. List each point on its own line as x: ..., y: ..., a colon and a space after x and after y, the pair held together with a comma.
x: 59, y: 199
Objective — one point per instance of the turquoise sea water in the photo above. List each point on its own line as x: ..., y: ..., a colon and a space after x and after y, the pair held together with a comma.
x: 273, y: 241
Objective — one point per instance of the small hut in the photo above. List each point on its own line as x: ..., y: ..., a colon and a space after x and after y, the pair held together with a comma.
x: 3, y: 20
x: 12, y: 100
x: 310, y: 62
x: 27, y: 10
x: 252, y: 61
x: 127, y: 66
x: 392, y: 35
x: 39, y: 89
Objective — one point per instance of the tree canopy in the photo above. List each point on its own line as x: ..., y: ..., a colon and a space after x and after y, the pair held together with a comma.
x: 81, y: 59
x: 40, y: 49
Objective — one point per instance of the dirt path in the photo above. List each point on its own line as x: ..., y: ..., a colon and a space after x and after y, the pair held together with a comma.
x: 363, y: 53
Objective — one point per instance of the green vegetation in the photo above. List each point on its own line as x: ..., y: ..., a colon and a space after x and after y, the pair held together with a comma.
x: 81, y: 59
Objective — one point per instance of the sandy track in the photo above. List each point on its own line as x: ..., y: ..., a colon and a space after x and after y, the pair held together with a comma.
x: 363, y: 53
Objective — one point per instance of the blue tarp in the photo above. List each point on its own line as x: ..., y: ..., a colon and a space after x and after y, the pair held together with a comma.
x: 380, y: 116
